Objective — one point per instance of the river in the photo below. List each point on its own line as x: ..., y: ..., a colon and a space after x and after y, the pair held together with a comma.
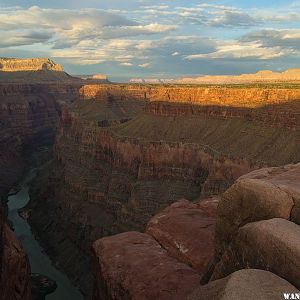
x: 39, y: 260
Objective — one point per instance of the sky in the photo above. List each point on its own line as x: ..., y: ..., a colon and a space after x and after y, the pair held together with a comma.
x: 154, y: 39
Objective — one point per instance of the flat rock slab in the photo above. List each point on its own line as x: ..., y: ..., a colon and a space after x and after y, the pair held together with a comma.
x: 133, y: 265
x: 272, y: 245
x: 260, y: 195
x: 247, y: 284
x: 186, y: 231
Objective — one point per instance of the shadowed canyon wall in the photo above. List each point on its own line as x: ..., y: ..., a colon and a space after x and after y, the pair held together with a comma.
x: 29, y: 115
x: 125, y: 152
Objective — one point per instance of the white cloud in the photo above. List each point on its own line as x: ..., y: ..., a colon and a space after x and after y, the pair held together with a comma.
x: 126, y: 64
x: 68, y: 28
x: 240, y: 50
x: 145, y: 65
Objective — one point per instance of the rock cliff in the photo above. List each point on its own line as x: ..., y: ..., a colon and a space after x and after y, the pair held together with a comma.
x: 30, y: 64
x: 33, y: 70
x: 15, y: 282
x: 29, y: 116
x: 120, y: 158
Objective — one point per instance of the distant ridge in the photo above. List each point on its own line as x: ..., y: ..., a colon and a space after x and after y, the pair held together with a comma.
x: 264, y: 76
x: 31, y: 69
x: 29, y: 64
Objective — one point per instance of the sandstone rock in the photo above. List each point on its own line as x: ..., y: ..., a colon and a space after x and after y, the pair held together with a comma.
x: 247, y: 285
x: 272, y: 245
x: 28, y: 64
x: 15, y: 281
x: 134, y: 266
x: 263, y: 194
x: 186, y: 231
x: 148, y: 154
x: 287, y: 179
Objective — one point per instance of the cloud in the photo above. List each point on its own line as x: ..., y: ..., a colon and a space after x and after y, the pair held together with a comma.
x: 145, y: 65
x: 26, y: 37
x: 286, y: 38
x: 126, y: 64
x: 67, y: 28
x: 242, y: 50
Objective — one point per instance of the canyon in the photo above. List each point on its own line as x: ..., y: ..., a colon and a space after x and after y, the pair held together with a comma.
x: 29, y: 114
x: 125, y: 152
x: 148, y: 177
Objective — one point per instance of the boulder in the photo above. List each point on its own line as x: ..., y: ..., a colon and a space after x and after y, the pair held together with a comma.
x: 247, y: 284
x: 260, y: 195
x: 186, y: 231
x: 133, y: 265
x: 272, y: 245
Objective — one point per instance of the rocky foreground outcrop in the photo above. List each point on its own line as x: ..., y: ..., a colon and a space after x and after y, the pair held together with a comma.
x: 123, y: 153
x: 268, y: 249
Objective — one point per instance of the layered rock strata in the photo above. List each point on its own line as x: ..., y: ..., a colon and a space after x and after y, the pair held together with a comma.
x: 29, y: 64
x: 32, y: 70
x: 117, y: 162
x: 29, y: 116
x: 264, y: 76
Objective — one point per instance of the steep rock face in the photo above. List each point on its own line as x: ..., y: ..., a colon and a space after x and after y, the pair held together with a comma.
x: 29, y: 115
x: 30, y: 64
x: 117, y: 162
x: 15, y: 282
x: 274, y: 106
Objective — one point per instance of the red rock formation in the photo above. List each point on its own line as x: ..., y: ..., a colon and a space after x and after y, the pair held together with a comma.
x: 133, y: 265
x: 258, y: 220
x: 124, y: 263
x: 260, y: 195
x: 15, y: 282
x: 29, y: 115
x: 116, y: 165
x: 186, y: 231
x: 257, y: 244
